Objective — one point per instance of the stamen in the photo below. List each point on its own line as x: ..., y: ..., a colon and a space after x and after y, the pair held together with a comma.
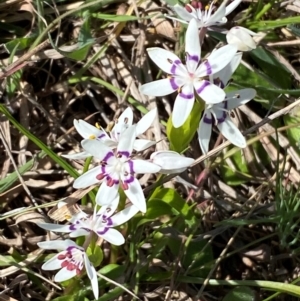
x: 170, y: 61
x: 232, y: 114
x: 61, y: 256
x: 126, y: 120
x: 92, y: 137
x: 110, y: 182
x: 124, y: 185
x: 188, y: 8
x: 97, y: 125
x: 100, y: 177
x: 64, y: 263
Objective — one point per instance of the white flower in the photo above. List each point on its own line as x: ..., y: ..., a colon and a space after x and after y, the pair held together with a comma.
x: 101, y: 223
x: 206, y: 17
x: 88, y: 131
x: 170, y: 162
x: 219, y: 115
x: 242, y: 38
x: 71, y: 260
x: 186, y: 79
x: 116, y: 169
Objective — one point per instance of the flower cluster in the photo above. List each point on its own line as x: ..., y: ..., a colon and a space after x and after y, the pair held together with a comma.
x: 117, y: 154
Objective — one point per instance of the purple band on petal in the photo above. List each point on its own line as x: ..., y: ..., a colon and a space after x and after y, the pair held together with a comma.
x: 207, y: 119
x: 224, y: 115
x: 73, y: 227
x: 173, y: 84
x: 186, y: 96
x: 108, y: 220
x: 104, y: 230
x: 131, y: 166
x: 129, y: 180
x: 174, y: 66
x: 108, y: 156
x: 205, y: 83
x: 208, y: 67
x: 124, y: 153
x: 194, y: 58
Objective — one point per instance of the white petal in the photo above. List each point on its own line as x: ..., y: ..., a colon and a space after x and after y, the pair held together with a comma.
x: 86, y: 130
x: 55, y: 227
x: 240, y: 97
x: 183, y: 105
x: 124, y: 215
x: 136, y: 195
x: 241, y: 38
x: 171, y: 161
x: 143, y: 166
x: 79, y: 232
x: 106, y: 194
x: 77, y: 156
x: 89, y: 178
x: 144, y: 124
x: 218, y: 59
x: 113, y: 236
x: 52, y: 264
x: 96, y: 148
x: 142, y: 144
x: 204, y: 134
x: 232, y: 133
x: 225, y: 74
x: 123, y: 122
x: 218, y: 16
x: 163, y: 58
x: 57, y: 244
x: 160, y: 87
x: 126, y: 140
x: 210, y: 93
x: 232, y: 6
x: 112, y: 206
x: 182, y: 12
x: 91, y: 272
x: 192, y: 46
x: 64, y: 275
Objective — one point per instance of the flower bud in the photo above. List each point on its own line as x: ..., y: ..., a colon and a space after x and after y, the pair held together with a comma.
x: 242, y: 38
x: 170, y: 162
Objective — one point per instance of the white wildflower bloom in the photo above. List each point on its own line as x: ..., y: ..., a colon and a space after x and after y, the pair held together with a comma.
x: 242, y: 38
x: 101, y: 223
x: 207, y: 16
x: 170, y: 162
x: 116, y: 169
x: 190, y: 78
x: 111, y: 139
x: 218, y: 114
x: 71, y: 261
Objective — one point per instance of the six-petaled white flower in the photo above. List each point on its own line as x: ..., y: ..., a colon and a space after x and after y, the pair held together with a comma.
x: 111, y: 139
x: 218, y: 114
x: 71, y: 260
x: 206, y: 17
x: 101, y: 223
x: 116, y: 169
x: 190, y: 78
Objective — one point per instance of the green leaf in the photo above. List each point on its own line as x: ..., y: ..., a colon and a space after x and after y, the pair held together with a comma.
x: 268, y: 63
x: 196, y: 257
x: 243, y: 293
x: 20, y: 43
x: 181, y: 137
x: 271, y: 24
x: 95, y: 255
x: 293, y: 133
x: 116, y: 18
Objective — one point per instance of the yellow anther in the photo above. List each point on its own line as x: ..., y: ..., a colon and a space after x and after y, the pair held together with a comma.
x: 97, y: 125
x: 92, y: 137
